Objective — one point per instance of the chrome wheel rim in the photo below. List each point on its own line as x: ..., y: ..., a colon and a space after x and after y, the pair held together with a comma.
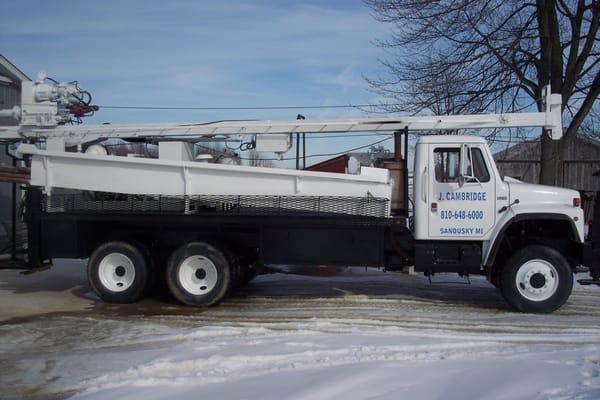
x: 198, y: 275
x: 116, y: 272
x: 537, y: 280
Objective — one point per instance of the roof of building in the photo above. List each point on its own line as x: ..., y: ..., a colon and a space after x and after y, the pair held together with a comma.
x: 9, y: 71
x: 335, y: 164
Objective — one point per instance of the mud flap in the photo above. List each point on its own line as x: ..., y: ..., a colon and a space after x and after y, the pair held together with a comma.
x: 591, y: 259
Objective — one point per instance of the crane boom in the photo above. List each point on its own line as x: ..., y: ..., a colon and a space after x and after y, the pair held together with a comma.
x: 549, y: 119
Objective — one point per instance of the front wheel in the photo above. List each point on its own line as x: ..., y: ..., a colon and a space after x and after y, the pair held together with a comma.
x: 536, y: 279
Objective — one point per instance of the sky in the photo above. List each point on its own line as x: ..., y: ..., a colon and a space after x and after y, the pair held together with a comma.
x: 203, y: 54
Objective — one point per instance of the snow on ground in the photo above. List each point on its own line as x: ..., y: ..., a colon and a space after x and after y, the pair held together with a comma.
x: 360, y: 334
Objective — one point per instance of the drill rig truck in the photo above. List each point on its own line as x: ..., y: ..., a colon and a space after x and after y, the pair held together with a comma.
x: 204, y: 227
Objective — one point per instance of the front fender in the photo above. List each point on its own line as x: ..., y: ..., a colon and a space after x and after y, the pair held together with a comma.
x: 574, y: 215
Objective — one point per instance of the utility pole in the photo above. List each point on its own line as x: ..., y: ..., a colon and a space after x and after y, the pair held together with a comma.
x: 300, y: 117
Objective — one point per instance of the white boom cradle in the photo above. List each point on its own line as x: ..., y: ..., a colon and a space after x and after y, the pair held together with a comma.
x: 176, y: 178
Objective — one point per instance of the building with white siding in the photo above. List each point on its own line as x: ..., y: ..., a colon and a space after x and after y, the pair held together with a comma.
x: 10, y: 96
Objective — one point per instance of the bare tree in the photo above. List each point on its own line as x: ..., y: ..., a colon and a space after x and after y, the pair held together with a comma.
x: 495, y: 55
x: 591, y: 125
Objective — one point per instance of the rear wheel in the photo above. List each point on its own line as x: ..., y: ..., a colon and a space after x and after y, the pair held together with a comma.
x: 198, y: 274
x: 536, y: 279
x: 118, y: 272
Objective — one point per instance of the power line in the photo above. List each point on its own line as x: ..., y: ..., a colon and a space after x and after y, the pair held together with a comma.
x: 347, y: 136
x: 248, y: 108
x: 497, y: 138
x: 381, y: 108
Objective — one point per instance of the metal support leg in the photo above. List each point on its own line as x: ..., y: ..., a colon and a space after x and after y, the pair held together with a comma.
x: 297, y: 151
x: 186, y: 205
x: 13, y: 245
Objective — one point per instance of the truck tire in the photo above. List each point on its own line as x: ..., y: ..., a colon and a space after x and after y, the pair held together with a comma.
x: 199, y: 274
x: 536, y: 279
x: 118, y: 272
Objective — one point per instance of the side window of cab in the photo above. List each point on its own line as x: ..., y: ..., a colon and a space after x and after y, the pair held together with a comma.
x: 477, y: 166
x: 447, y: 164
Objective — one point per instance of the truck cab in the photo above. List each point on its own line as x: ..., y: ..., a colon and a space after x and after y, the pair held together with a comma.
x: 469, y: 219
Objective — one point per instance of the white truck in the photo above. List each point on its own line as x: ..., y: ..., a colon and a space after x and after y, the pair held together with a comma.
x: 203, y: 227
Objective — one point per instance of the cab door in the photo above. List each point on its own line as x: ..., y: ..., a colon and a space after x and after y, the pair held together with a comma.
x: 460, y: 206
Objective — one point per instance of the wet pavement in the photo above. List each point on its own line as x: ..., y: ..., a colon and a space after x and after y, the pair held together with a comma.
x: 56, y: 337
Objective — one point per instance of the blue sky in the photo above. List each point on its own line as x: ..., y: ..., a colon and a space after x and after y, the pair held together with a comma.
x: 198, y: 53
x: 202, y: 53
